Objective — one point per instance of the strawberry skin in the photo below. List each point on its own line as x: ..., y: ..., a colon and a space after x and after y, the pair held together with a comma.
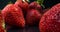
x: 13, y: 15
x: 32, y: 17
x: 18, y: 3
x: 2, y: 24
x: 35, y: 5
x: 2, y: 29
x: 50, y: 21
x: 23, y: 5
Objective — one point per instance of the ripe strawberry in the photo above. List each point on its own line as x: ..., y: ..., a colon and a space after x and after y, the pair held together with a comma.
x: 18, y: 3
x: 35, y: 5
x: 13, y: 15
x: 32, y: 17
x: 23, y: 5
x: 50, y: 21
x: 2, y: 24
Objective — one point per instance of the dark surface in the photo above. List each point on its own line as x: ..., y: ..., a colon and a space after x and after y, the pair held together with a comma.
x: 27, y: 29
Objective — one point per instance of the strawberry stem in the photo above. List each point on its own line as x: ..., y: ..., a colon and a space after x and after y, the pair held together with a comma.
x: 41, y: 3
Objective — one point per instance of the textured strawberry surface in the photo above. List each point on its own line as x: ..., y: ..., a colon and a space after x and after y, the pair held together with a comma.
x: 35, y: 5
x: 50, y: 21
x: 13, y: 15
x: 2, y: 24
x: 23, y: 5
x: 32, y: 17
x: 2, y: 29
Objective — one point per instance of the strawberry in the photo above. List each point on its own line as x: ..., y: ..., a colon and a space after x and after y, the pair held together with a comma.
x: 2, y: 24
x: 50, y: 21
x: 35, y: 5
x: 32, y: 17
x: 33, y: 14
x: 13, y: 15
x: 23, y: 5
x: 18, y: 3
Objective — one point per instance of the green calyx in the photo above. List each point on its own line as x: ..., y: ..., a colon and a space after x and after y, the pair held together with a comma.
x: 41, y: 3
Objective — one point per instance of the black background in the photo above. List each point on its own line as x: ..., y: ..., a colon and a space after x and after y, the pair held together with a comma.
x: 50, y: 3
x: 47, y: 3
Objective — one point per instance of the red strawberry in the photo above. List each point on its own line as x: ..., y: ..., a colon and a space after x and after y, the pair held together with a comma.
x: 13, y: 15
x: 18, y: 3
x: 2, y: 24
x: 32, y: 17
x: 23, y: 5
x: 35, y: 5
x: 2, y: 29
x: 50, y: 21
